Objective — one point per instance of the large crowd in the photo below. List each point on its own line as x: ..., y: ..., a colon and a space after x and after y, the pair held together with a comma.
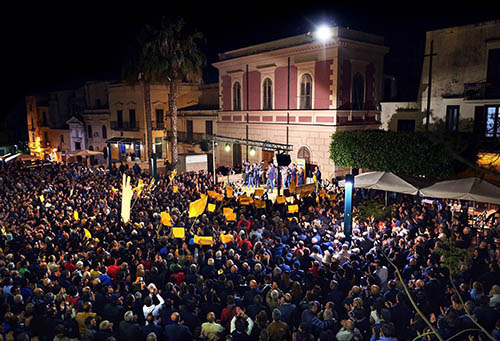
x: 282, y: 276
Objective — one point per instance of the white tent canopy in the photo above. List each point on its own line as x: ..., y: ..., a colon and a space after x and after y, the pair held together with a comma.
x: 86, y: 152
x: 383, y: 181
x: 473, y: 189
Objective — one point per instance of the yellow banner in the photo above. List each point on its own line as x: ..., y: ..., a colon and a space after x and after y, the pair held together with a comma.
x: 226, y: 238
x: 259, y: 192
x: 227, y: 210
x: 293, y: 208
x: 212, y: 194
x: 175, y: 188
x: 87, y: 234
x: 200, y: 240
x: 260, y: 204
x: 178, y: 232
x: 42, y: 199
x: 211, y: 207
x: 281, y: 199
x: 219, y: 197
x: 231, y: 217
x: 75, y: 215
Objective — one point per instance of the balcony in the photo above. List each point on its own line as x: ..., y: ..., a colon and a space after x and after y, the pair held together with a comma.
x: 303, y: 117
x: 185, y: 137
x: 125, y: 126
x: 158, y: 125
x: 481, y: 90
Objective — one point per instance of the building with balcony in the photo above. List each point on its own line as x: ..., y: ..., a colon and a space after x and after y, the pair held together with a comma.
x: 196, y: 105
x: 299, y: 91
x: 465, y: 88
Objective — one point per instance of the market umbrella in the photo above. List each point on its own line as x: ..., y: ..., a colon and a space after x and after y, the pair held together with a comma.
x: 472, y: 189
x: 383, y: 181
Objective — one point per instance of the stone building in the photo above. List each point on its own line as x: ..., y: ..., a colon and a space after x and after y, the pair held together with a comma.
x: 299, y: 90
x: 465, y: 87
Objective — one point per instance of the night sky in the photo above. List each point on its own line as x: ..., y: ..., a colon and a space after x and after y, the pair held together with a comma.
x: 57, y: 47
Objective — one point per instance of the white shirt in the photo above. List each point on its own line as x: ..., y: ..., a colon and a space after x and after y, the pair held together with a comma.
x: 250, y: 325
x: 154, y: 309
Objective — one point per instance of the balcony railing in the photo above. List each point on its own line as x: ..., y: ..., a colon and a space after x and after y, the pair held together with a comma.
x: 125, y: 125
x: 481, y: 90
x: 186, y: 137
x: 302, y: 117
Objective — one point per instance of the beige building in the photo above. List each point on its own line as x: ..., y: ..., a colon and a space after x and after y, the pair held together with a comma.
x: 299, y: 90
x: 465, y: 88
x: 128, y: 121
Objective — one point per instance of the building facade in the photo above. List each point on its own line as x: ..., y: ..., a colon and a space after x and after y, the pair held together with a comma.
x: 299, y: 91
x: 465, y: 86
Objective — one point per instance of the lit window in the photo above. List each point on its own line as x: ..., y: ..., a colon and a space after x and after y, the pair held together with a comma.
x: 493, y: 122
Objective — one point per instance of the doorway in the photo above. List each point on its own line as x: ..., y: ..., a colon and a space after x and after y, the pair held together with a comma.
x: 236, y: 156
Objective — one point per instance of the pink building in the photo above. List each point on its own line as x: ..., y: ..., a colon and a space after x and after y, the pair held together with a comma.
x: 299, y: 90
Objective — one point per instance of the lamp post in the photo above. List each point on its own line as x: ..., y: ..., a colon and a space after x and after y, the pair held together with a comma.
x: 349, y: 184
x: 154, y: 163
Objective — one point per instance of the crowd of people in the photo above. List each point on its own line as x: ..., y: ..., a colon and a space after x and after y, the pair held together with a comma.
x: 283, y: 276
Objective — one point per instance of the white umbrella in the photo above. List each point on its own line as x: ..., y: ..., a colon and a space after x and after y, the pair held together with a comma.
x: 472, y: 189
x: 383, y: 181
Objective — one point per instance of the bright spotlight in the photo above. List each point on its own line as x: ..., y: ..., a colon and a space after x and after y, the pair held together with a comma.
x: 252, y: 151
x: 323, y: 33
x: 227, y: 148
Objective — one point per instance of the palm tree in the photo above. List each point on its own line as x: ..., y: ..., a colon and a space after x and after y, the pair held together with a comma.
x: 145, y: 66
x: 183, y: 61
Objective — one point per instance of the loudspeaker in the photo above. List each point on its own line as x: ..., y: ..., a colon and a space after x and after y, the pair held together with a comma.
x: 283, y: 159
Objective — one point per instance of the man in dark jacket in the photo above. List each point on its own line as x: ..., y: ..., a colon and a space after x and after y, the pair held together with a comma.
x: 177, y: 331
x: 129, y: 328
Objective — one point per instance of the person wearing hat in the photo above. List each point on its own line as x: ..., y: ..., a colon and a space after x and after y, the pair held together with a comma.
x: 129, y: 329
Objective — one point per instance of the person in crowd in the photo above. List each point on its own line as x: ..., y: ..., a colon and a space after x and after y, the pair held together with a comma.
x: 281, y: 275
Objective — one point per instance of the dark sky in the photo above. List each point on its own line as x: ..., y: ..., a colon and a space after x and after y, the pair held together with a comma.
x: 50, y: 47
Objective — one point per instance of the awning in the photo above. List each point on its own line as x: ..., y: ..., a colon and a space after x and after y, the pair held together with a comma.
x: 123, y: 140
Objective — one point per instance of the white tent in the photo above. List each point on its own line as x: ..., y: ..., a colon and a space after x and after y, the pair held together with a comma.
x: 86, y: 152
x: 473, y: 189
x: 383, y: 181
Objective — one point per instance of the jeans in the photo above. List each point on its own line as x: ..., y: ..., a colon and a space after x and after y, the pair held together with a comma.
x: 270, y: 183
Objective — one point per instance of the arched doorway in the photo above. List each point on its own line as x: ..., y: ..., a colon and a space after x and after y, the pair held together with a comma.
x: 305, y: 154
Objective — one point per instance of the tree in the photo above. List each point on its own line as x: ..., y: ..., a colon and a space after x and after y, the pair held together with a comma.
x: 145, y: 66
x: 181, y: 60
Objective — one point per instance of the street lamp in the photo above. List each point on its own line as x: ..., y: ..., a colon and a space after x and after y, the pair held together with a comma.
x: 227, y: 148
x: 252, y: 151
x: 349, y: 184
x: 323, y: 33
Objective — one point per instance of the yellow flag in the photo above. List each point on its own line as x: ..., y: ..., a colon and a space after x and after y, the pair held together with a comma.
x: 139, y: 187
x: 260, y: 204
x: 42, y: 199
x: 219, y: 197
x: 172, y: 176
x: 227, y: 210
x: 293, y: 208
x: 280, y: 200
x: 322, y: 193
x: 175, y: 188
x: 166, y: 219
x: 211, y: 207
x: 259, y: 192
x: 178, y: 232
x: 4, y: 232
x: 291, y: 188
x: 75, y: 215
x: 332, y: 197
x: 231, y: 217
x: 198, y: 207
x: 71, y: 192
x: 114, y: 189
x: 212, y: 194
x: 226, y: 238
x: 201, y: 240
x: 229, y: 192
x: 87, y: 234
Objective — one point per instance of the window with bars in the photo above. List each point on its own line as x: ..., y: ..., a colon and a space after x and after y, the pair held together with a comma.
x: 492, y: 121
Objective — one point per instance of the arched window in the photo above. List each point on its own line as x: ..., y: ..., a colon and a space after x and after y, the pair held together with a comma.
x: 89, y: 131
x: 104, y: 132
x: 306, y: 92
x: 236, y: 96
x: 304, y: 153
x: 267, y: 94
x: 358, y: 92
